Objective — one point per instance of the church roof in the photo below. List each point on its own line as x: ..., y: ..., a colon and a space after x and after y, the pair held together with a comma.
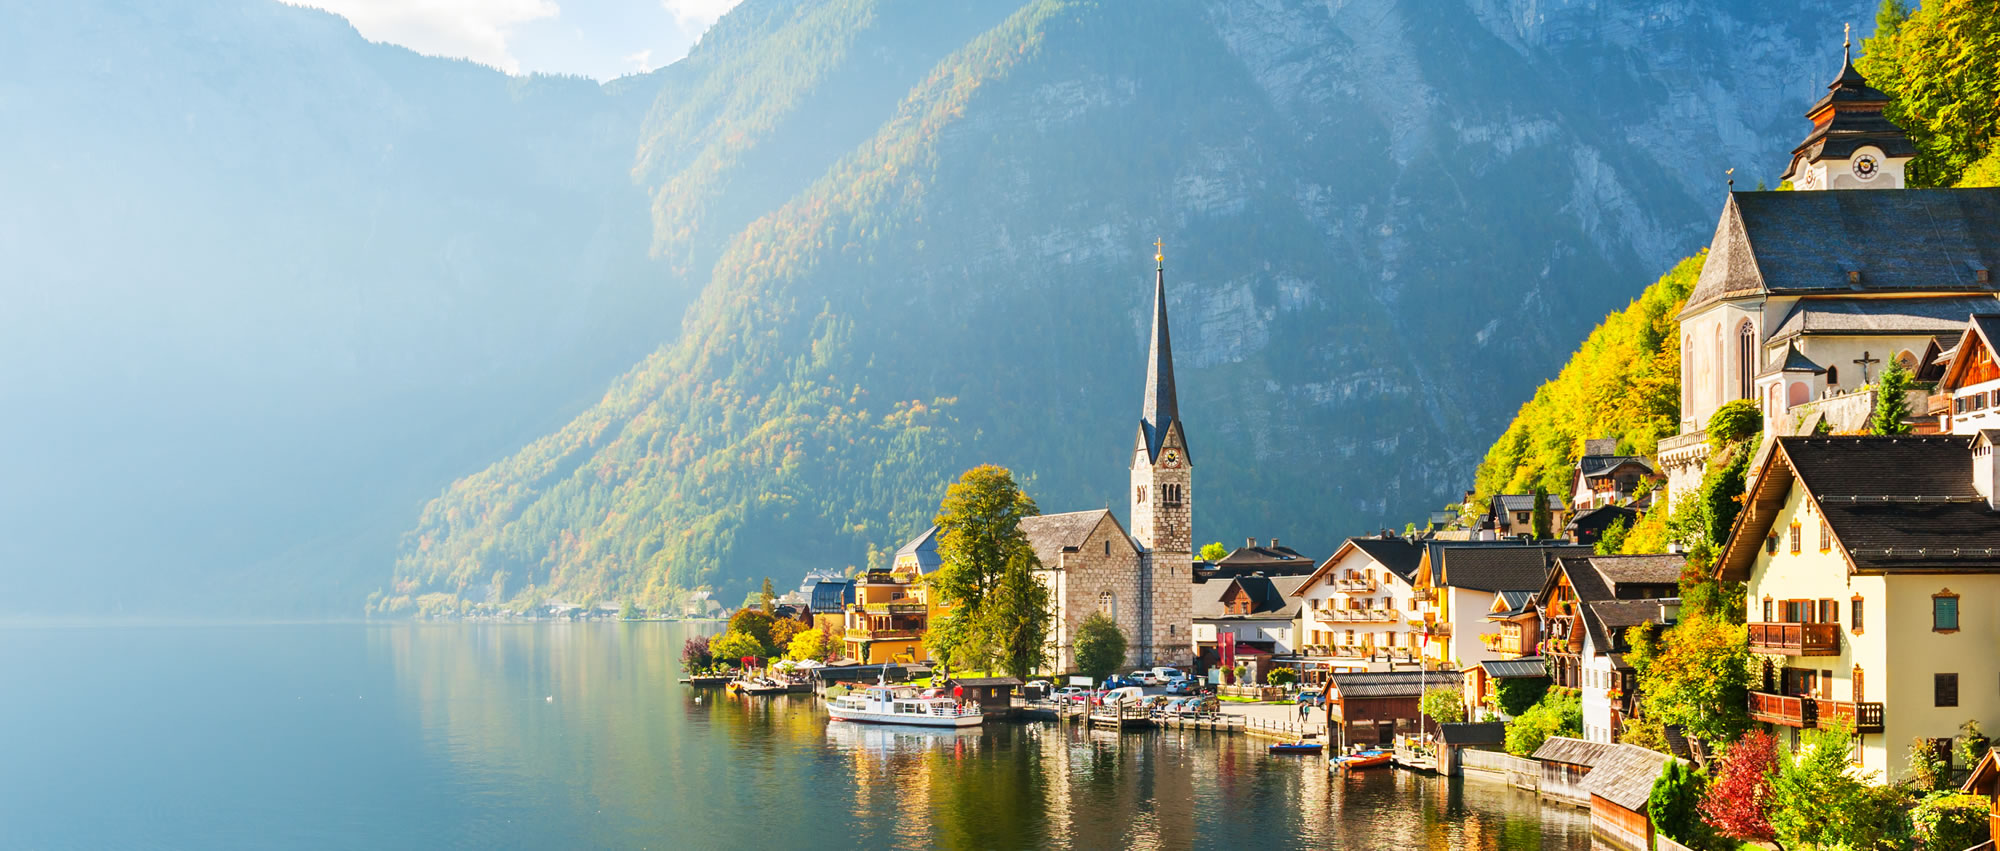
x: 1807, y: 243
x: 1051, y: 534
x: 1900, y: 316
x: 1795, y: 361
x: 1855, y: 120
x: 1161, y: 407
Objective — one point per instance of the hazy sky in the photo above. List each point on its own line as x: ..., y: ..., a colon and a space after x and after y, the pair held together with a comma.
x: 595, y: 38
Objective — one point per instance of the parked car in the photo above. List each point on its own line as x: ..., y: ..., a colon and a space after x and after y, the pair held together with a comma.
x: 1120, y: 682
x: 1186, y: 685
x: 1145, y: 677
x: 1167, y: 675
x: 1071, y: 694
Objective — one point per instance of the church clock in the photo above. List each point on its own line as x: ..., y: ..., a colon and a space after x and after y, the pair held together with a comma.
x: 1171, y: 459
x: 1865, y: 167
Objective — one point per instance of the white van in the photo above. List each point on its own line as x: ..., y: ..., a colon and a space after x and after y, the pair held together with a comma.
x: 1167, y: 675
x: 1131, y: 695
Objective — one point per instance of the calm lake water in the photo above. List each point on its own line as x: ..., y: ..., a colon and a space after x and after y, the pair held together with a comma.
x: 577, y: 735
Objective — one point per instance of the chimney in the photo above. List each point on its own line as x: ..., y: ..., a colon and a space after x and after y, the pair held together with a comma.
x: 1274, y: 543
x: 1250, y: 542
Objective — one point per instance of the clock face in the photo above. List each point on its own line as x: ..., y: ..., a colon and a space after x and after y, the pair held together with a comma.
x: 1171, y: 458
x: 1866, y: 167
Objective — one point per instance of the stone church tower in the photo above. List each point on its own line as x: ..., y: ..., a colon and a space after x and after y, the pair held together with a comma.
x: 1162, y: 504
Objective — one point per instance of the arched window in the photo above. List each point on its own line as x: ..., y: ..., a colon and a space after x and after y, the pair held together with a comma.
x: 1832, y: 375
x: 1908, y: 360
x: 1746, y: 360
x: 1799, y: 394
x: 1687, y: 375
x: 1107, y: 603
x: 1720, y: 370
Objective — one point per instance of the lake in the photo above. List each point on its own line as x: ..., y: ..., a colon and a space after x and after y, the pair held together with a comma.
x: 578, y: 735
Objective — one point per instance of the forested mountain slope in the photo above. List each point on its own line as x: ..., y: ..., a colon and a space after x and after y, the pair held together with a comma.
x: 1374, y: 246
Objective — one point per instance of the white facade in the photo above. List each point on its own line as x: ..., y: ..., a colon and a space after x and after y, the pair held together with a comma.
x: 1356, y: 607
x: 1598, y: 677
x: 1866, y: 168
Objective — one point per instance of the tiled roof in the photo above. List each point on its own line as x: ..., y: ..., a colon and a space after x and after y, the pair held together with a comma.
x: 1391, y: 683
x: 1515, y: 501
x: 1909, y: 240
x: 1911, y: 316
x: 1608, y: 620
x: 1516, y: 602
x: 1516, y: 568
x: 1272, y: 595
x: 1625, y: 775
x: 1048, y: 534
x: 1592, y: 464
x: 1602, y: 517
x: 1663, y: 569
x: 1570, y: 751
x: 1400, y: 555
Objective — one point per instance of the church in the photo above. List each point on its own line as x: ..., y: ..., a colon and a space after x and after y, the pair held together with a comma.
x: 1807, y: 295
x: 1143, y: 579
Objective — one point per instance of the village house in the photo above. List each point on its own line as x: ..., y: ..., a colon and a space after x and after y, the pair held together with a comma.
x: 888, y: 618
x: 1856, y: 551
x: 1258, y: 612
x: 1586, y: 606
x: 1968, y: 391
x: 1588, y: 526
x: 1482, y: 682
x: 1374, y: 707
x: 1358, y: 605
x: 1455, y: 586
x: 1807, y: 295
x: 1603, y: 477
x: 1513, y: 515
x: 1269, y: 560
x: 1142, y: 580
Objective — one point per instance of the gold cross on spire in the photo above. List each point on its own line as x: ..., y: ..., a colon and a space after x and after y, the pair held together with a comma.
x: 1847, y: 35
x: 1159, y: 252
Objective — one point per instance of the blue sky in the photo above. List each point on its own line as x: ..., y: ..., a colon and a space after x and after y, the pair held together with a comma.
x: 595, y: 38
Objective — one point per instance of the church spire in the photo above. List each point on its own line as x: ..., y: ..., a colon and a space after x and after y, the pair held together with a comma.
x: 1853, y: 145
x: 1161, y: 407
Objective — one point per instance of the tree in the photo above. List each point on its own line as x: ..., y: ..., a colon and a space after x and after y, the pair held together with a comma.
x: 1019, y: 617
x: 1936, y: 65
x: 1444, y: 704
x: 1892, y: 401
x: 1815, y: 800
x: 766, y: 598
x: 1949, y: 820
x: 1516, y: 695
x: 1100, y: 646
x: 783, y: 630
x: 1281, y: 676
x: 1613, y: 539
x: 695, y: 655
x: 1737, y: 798
x: 1560, y: 713
x: 811, y: 644
x: 1675, y: 804
x: 1734, y: 422
x: 755, y: 624
x: 1214, y: 552
x: 1928, y: 770
x: 1971, y: 743
x: 1698, y: 678
x: 1541, y: 518
x: 628, y: 610
x: 733, y: 647
x: 979, y: 537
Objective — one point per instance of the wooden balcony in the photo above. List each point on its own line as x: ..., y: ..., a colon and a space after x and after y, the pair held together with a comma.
x: 1783, y: 710
x: 1795, y: 639
x: 883, y: 634
x: 1860, y: 717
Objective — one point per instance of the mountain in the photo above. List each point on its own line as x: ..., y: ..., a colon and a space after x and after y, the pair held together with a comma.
x: 286, y: 296
x: 1373, y: 246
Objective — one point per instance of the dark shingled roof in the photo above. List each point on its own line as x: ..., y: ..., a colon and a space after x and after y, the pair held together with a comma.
x: 1514, y: 669
x: 986, y: 681
x: 1793, y: 361
x: 1517, y: 502
x: 1400, y: 555
x: 1662, y: 569
x: 1049, y: 534
x: 1391, y: 683
x: 1625, y: 776
x: 1473, y: 733
x: 1272, y: 597
x: 1600, y: 518
x: 1161, y: 409
x: 1857, y: 121
x: 1902, y: 316
x: 1909, y: 240
x: 1516, y: 568
x: 1517, y: 602
x: 1593, y: 465
x: 1608, y: 620
x: 1568, y: 751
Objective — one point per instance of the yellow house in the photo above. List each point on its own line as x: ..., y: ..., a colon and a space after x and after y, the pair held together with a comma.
x: 1860, y: 552
x: 892, y: 608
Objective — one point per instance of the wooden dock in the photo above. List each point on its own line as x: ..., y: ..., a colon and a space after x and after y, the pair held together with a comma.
x: 1121, y: 718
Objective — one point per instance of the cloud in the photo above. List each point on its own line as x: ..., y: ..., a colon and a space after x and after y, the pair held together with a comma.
x: 474, y: 29
x: 696, y: 16
x: 642, y: 61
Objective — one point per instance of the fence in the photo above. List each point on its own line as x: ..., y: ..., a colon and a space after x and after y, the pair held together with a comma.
x: 1525, y: 773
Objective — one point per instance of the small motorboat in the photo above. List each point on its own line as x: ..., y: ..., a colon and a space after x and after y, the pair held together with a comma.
x: 1363, y: 759
x: 1295, y: 748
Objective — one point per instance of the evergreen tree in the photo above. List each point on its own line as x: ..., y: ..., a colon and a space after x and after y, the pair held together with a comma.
x: 1936, y: 63
x: 1100, y: 646
x: 767, y: 599
x: 1542, y: 520
x: 1892, y: 401
x: 1675, y: 804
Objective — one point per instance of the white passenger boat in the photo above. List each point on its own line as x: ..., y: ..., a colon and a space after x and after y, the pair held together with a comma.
x: 881, y: 704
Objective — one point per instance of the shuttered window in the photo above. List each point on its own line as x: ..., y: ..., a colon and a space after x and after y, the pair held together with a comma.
x: 1945, y: 689
x: 1854, y: 615
x: 1944, y: 612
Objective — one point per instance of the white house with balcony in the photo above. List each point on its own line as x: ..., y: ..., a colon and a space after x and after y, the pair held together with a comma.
x: 1357, y: 607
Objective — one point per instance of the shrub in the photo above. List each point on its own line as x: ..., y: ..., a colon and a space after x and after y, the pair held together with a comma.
x: 1560, y: 713
x: 1674, y: 805
x: 1735, y: 420
x: 1737, y: 798
x: 1949, y: 820
x: 1281, y: 677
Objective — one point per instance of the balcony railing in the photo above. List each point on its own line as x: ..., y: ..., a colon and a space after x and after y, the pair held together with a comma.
x: 1861, y: 717
x: 1436, y: 629
x: 1795, y: 639
x: 906, y: 607
x: 881, y: 634
x: 1358, y: 615
x: 1783, y: 710
x: 1351, y: 586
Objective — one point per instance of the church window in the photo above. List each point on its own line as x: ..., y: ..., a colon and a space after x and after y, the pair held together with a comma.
x: 1107, y: 603
x: 1832, y: 375
x: 1107, y: 546
x: 1746, y: 359
x: 1141, y: 496
x: 1908, y: 360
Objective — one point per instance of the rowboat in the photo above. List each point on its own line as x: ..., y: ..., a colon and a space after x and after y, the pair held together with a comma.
x: 1363, y: 759
x: 1295, y: 748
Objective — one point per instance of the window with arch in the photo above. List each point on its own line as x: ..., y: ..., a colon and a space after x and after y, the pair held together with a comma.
x: 1720, y: 371
x: 1832, y: 375
x: 1107, y: 603
x: 1687, y: 373
x: 1746, y: 360
x: 1799, y: 394
x: 1907, y: 359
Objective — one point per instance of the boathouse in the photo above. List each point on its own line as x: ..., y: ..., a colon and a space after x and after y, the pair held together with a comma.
x: 1566, y: 762
x: 1619, y: 787
x: 1373, y: 707
x: 995, y: 695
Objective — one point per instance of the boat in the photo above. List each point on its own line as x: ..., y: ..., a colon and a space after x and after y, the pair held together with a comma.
x: 1363, y: 759
x: 707, y: 680
x: 1295, y: 748
x: 883, y: 704
x: 757, y: 686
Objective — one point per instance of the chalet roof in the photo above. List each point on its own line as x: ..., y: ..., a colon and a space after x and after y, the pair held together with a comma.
x: 1807, y: 243
x: 1391, y: 683
x: 1514, y: 669
x: 1400, y: 556
x: 1515, y: 568
x: 1050, y: 534
x: 1895, y: 504
x: 1660, y: 569
x: 1981, y: 330
x: 1568, y: 751
x: 1473, y: 733
x: 1902, y: 316
x: 1514, y: 502
x: 1601, y: 517
x: 1593, y: 466
x: 1272, y: 597
x: 1269, y: 559
x: 1517, y: 603
x: 1608, y: 620
x: 1625, y: 775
